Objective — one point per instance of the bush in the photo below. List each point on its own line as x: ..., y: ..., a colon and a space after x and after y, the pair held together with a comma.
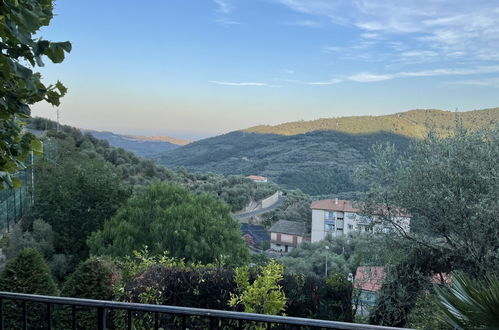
x: 92, y: 279
x: 27, y: 273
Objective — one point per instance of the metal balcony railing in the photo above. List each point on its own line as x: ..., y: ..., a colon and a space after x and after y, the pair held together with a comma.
x: 121, y: 315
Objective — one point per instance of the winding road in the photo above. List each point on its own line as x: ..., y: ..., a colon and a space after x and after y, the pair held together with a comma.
x: 272, y: 207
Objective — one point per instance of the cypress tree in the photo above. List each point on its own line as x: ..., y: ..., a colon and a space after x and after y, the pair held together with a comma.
x: 27, y: 273
x: 93, y: 279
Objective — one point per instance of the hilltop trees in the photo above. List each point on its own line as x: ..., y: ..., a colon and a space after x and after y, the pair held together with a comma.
x: 170, y: 218
x: 20, y: 86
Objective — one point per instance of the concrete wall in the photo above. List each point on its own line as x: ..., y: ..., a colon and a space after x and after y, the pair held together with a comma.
x: 270, y: 200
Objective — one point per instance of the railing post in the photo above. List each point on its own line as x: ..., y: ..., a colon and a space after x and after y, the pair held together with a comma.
x: 49, y: 316
x: 129, y: 320
x: 1, y: 314
x: 73, y: 317
x: 101, y: 318
x: 25, y: 316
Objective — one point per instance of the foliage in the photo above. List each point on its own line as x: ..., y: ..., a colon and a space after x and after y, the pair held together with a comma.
x: 339, y: 297
x: 404, y: 283
x: 20, y: 86
x: 94, y: 278
x: 140, y: 261
x: 469, y: 304
x: 235, y: 190
x: 411, y: 123
x: 425, y: 316
x: 449, y: 186
x: 344, y: 255
x: 75, y: 195
x: 169, y: 218
x: 264, y: 295
x: 41, y: 238
x: 317, y: 163
x: 171, y: 281
x: 317, y: 157
x: 27, y: 273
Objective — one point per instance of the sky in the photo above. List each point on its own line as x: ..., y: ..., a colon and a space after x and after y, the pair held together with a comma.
x: 198, y: 68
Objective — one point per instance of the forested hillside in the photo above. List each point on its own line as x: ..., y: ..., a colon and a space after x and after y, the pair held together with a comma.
x: 318, y: 163
x: 72, y: 143
x: 318, y: 157
x: 411, y: 123
x: 140, y: 146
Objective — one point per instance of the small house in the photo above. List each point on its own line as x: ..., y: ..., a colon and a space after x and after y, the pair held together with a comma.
x: 285, y: 235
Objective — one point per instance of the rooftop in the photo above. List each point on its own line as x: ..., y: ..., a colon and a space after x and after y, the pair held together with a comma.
x: 257, y: 178
x: 369, y: 278
x: 334, y: 205
x: 289, y: 227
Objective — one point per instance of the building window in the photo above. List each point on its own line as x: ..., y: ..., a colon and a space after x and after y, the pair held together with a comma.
x: 329, y: 225
x: 350, y: 227
x: 329, y: 215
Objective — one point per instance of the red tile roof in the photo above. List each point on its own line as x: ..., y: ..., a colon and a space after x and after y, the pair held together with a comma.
x: 369, y: 278
x: 258, y: 178
x: 334, y: 205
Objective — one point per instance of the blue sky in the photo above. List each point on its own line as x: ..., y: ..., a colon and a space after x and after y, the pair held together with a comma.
x: 195, y: 68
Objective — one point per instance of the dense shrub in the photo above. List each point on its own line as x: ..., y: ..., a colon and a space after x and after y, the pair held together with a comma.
x: 209, y: 287
x: 27, y: 273
x: 92, y: 279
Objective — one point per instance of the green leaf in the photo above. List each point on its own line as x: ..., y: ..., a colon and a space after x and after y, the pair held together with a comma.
x: 37, y: 146
x: 62, y: 89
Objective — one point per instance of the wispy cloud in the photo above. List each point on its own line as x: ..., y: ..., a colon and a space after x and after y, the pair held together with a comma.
x: 226, y: 21
x: 223, y: 6
x: 223, y: 13
x: 232, y: 83
x: 372, y: 77
x: 326, y: 82
x: 490, y: 82
x: 460, y: 29
x: 307, y: 23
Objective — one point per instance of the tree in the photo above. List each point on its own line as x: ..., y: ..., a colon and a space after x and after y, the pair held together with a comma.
x: 169, y: 218
x: 94, y: 278
x: 27, y: 273
x: 449, y: 186
x: 469, y: 304
x: 75, y: 196
x: 20, y: 86
x: 40, y: 238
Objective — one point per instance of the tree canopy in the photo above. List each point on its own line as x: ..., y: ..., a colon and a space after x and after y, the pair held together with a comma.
x: 169, y: 218
x: 20, y: 87
x: 75, y: 196
x: 449, y: 186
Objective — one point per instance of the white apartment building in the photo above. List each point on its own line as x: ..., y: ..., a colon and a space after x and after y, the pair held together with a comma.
x: 336, y: 217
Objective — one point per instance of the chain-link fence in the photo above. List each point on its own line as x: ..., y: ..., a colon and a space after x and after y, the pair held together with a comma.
x: 15, y: 202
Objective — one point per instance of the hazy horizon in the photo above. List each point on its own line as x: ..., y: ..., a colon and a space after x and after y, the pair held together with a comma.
x: 193, y: 71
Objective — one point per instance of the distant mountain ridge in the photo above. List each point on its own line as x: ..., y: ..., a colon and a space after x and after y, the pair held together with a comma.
x: 141, y: 146
x: 410, y: 123
x: 318, y: 157
x: 161, y: 138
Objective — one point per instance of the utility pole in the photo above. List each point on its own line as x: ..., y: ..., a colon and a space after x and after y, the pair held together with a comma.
x: 57, y: 111
x: 327, y: 252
